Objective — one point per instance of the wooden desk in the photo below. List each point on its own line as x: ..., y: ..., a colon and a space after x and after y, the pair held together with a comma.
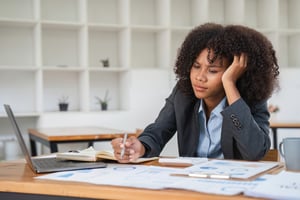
x: 53, y: 136
x: 274, y: 125
x: 17, y: 181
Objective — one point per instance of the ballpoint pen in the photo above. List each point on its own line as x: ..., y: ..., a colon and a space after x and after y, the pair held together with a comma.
x: 124, y: 141
x: 205, y: 175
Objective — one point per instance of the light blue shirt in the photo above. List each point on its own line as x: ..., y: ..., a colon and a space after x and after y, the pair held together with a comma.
x: 210, y: 131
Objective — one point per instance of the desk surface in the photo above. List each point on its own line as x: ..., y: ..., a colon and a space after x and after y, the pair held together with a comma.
x: 77, y: 133
x: 17, y: 177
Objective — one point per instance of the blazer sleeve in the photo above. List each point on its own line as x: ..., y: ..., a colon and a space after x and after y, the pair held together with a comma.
x: 245, y: 131
x: 157, y: 134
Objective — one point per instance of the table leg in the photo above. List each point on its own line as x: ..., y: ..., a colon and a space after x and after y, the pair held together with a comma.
x: 53, y: 147
x: 274, y: 130
x: 32, y: 146
x: 90, y: 143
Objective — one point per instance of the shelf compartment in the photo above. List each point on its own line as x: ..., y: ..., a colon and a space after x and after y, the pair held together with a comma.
x: 61, y: 83
x: 181, y: 13
x: 104, y: 45
x: 258, y: 13
x: 19, y: 94
x: 60, y: 10
x: 17, y: 9
x: 249, y: 12
x: 145, y: 49
x: 273, y: 38
x: 61, y: 47
x: 177, y: 38
x: 222, y: 11
x: 100, y: 82
x: 145, y: 12
x: 288, y: 45
x: 104, y: 11
x: 17, y: 46
x: 289, y: 14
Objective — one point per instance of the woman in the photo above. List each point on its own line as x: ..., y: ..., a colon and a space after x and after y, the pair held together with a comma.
x: 219, y: 105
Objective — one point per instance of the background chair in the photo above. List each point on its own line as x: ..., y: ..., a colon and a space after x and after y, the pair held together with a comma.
x: 271, y: 155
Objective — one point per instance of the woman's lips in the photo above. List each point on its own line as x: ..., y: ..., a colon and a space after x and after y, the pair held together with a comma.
x: 200, y: 88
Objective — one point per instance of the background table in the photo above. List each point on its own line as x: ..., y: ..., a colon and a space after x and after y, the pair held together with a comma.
x: 274, y: 125
x: 51, y: 137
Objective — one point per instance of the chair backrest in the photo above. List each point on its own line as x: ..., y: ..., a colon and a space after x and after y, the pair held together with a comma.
x: 138, y: 131
x: 271, y: 155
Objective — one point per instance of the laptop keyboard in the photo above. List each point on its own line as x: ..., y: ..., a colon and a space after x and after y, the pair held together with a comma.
x: 52, y: 163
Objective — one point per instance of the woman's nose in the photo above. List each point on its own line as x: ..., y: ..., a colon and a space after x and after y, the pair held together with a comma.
x: 201, y: 76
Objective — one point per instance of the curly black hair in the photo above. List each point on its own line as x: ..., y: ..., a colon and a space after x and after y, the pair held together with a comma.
x: 261, y: 77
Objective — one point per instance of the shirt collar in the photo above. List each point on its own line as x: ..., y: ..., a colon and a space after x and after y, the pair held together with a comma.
x: 217, y: 110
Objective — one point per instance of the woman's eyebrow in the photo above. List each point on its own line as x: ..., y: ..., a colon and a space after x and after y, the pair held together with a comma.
x: 209, y: 65
x: 214, y: 65
x: 196, y: 62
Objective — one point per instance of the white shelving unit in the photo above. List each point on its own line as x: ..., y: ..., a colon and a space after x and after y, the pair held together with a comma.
x: 51, y: 48
x: 55, y: 47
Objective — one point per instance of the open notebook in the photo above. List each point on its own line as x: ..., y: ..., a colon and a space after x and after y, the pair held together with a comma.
x: 90, y: 154
x: 48, y: 164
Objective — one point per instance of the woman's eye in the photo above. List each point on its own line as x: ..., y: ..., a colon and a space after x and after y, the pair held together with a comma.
x: 212, y: 71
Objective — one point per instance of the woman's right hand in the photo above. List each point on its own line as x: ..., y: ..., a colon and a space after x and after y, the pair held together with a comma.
x: 133, y: 149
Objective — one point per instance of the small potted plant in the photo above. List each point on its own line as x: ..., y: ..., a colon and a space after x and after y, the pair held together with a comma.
x: 103, y: 101
x: 63, y: 103
x: 105, y: 62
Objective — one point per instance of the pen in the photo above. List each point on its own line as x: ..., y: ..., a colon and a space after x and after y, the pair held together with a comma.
x: 203, y: 175
x: 124, y: 141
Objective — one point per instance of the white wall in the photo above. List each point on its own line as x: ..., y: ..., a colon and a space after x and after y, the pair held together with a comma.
x: 287, y: 98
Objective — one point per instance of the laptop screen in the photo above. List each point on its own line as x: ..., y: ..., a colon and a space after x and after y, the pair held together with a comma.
x: 21, y: 141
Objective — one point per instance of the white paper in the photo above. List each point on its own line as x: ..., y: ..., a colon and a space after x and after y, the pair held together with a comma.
x: 234, y: 169
x: 137, y: 176
x: 217, y: 186
x: 151, y: 177
x: 285, y: 185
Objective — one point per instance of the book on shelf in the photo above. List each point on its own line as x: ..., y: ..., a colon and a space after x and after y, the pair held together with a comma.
x: 92, y: 155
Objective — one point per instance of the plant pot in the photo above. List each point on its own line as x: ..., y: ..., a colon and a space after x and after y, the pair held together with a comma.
x: 103, y: 106
x: 105, y: 63
x: 63, y: 106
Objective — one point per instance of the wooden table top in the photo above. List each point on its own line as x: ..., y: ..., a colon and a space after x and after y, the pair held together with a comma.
x: 284, y: 124
x: 16, y: 176
x: 77, y: 133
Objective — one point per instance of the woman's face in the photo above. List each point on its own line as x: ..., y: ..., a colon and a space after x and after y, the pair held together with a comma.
x: 206, y: 78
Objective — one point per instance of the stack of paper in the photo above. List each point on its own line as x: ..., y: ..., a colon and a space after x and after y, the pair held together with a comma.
x: 232, y: 169
x: 285, y: 185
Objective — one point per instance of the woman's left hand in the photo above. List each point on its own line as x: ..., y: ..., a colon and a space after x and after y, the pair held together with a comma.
x: 231, y: 75
x: 236, y: 69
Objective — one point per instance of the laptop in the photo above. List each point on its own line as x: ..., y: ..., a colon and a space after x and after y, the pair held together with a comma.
x: 47, y: 164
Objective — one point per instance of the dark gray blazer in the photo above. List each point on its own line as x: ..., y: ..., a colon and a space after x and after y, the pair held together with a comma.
x: 245, y: 131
